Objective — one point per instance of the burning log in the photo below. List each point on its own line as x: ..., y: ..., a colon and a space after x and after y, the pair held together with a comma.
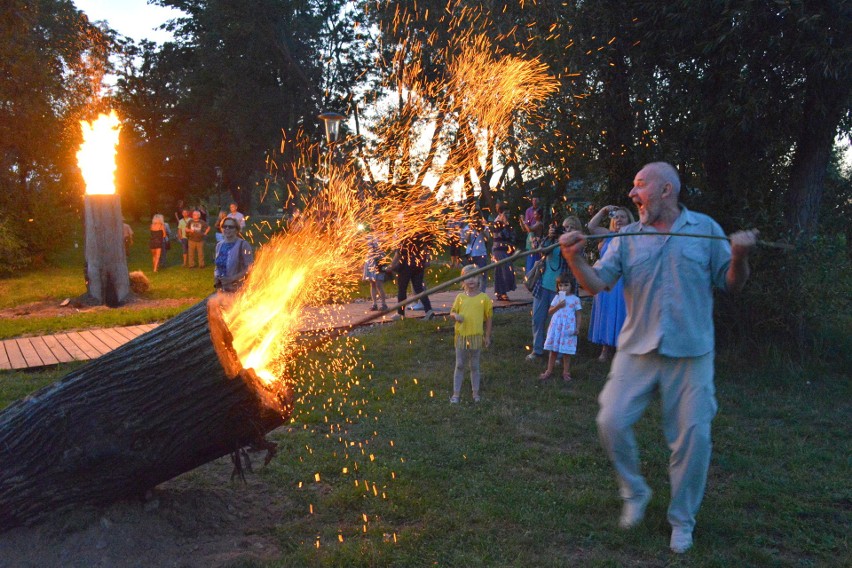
x: 106, y: 264
x: 107, y: 280
x: 163, y: 404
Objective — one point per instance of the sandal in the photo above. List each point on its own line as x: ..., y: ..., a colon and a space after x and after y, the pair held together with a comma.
x: 566, y: 377
x: 545, y: 375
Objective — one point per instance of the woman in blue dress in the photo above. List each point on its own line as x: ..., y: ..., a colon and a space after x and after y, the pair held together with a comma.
x: 608, y: 309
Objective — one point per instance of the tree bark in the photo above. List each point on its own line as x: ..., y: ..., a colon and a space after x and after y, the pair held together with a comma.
x: 106, y: 264
x: 826, y: 99
x: 163, y: 404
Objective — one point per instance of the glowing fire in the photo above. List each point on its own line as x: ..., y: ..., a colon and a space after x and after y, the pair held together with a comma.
x: 96, y: 157
x: 299, y: 273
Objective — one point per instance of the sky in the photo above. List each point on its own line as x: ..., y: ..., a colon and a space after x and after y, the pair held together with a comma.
x: 133, y: 18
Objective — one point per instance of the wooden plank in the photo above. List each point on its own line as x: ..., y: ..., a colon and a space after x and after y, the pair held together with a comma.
x: 29, y: 352
x: 43, y: 351
x: 148, y: 326
x: 4, y: 358
x: 109, y: 337
x: 124, y: 333
x: 95, y: 342
x: 16, y: 358
x: 83, y: 345
x: 61, y: 354
x: 71, y: 347
x: 136, y: 330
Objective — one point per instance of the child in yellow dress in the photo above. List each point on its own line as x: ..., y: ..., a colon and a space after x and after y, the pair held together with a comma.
x: 472, y: 310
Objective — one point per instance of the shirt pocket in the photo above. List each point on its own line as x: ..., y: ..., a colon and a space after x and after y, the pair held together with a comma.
x: 695, y: 265
x: 639, y: 266
x: 696, y: 252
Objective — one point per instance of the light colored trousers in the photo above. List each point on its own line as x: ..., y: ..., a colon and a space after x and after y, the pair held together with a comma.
x: 196, y: 250
x: 688, y: 407
x: 464, y: 358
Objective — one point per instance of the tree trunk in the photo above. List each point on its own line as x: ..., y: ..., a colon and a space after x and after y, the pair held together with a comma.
x: 826, y: 100
x: 163, y: 404
x: 106, y: 264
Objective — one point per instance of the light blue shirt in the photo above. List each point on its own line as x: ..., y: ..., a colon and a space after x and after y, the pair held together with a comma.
x: 553, y: 267
x: 475, y: 241
x: 668, y: 286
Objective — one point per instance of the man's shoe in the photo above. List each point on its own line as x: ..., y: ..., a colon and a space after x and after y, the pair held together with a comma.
x: 533, y: 357
x: 429, y: 315
x: 633, y: 510
x: 681, y: 540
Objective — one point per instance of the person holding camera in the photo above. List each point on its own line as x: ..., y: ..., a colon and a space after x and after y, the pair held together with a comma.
x: 608, y: 309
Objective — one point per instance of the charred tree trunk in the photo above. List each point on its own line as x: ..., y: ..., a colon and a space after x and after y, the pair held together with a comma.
x: 106, y: 264
x: 162, y: 404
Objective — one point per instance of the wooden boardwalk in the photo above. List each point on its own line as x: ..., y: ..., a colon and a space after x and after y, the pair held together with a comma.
x: 49, y: 350
x: 29, y: 352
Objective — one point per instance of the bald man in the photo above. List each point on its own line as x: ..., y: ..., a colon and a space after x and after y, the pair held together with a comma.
x: 667, y: 341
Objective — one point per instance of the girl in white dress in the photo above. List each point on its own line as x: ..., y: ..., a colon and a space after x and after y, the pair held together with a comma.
x: 563, y: 329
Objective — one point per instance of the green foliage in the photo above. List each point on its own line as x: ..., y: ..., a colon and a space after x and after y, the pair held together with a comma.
x: 51, y: 58
x: 208, y: 111
x: 797, y: 303
x: 13, y: 252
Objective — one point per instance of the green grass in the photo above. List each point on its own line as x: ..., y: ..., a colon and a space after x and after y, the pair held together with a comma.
x: 520, y: 479
x: 63, y: 278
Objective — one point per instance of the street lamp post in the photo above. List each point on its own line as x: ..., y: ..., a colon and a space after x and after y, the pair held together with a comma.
x: 332, y: 122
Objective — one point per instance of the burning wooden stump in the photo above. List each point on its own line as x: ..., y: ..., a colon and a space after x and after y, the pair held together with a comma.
x: 163, y: 404
x: 107, y: 278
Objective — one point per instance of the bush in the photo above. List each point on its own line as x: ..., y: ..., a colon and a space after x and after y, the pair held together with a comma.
x: 13, y: 250
x: 795, y: 302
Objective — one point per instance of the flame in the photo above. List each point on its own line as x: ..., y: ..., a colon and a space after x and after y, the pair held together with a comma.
x: 311, y: 263
x: 300, y: 272
x: 96, y: 157
x: 480, y: 96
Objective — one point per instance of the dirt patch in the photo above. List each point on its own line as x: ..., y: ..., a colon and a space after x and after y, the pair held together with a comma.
x: 201, y: 519
x: 54, y: 309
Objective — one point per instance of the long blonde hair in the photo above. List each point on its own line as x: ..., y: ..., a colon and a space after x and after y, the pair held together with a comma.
x: 158, y: 222
x: 629, y: 213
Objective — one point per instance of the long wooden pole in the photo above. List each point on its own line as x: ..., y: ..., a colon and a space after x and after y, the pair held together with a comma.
x: 520, y: 254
